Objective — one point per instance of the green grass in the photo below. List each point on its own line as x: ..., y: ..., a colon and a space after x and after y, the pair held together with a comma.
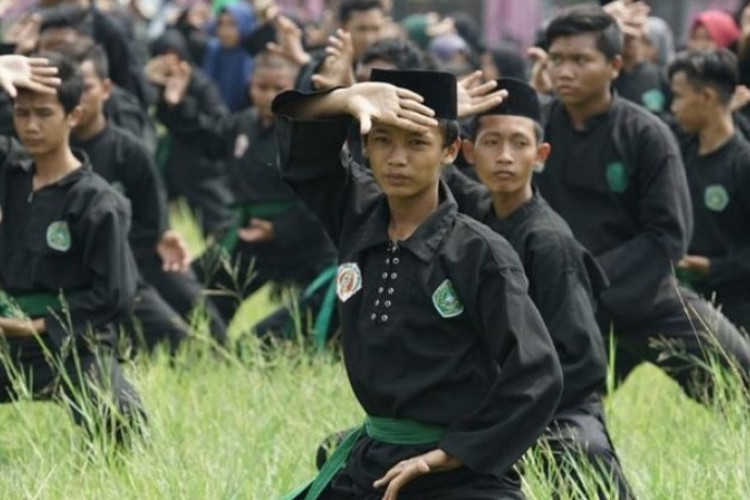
x: 248, y: 427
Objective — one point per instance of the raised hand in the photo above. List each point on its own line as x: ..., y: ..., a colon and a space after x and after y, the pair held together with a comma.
x: 30, y: 73
x: 540, y: 79
x: 389, y: 105
x: 289, y: 41
x: 475, y: 97
x: 338, y: 68
x: 177, y: 82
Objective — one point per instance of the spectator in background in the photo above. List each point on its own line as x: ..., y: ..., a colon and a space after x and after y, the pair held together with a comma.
x: 658, y: 42
x: 713, y: 29
x: 225, y: 61
x: 503, y: 61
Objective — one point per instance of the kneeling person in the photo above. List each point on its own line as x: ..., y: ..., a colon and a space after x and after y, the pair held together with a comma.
x: 66, y: 269
x: 564, y: 278
x: 443, y: 347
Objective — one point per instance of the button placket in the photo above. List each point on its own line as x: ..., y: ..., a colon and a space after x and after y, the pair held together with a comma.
x: 387, y: 286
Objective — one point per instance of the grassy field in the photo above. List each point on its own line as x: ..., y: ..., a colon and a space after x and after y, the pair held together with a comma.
x: 247, y: 427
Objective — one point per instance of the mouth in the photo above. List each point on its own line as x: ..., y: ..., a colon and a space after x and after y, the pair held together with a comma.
x: 504, y: 175
x: 566, y: 89
x: 396, y: 179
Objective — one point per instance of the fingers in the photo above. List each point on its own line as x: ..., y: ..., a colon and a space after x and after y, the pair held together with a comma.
x: 417, y: 118
x: 8, y: 88
x: 537, y: 54
x: 42, y: 64
x: 41, y: 88
x: 365, y: 124
x: 408, y: 94
x: 388, y: 477
x: 470, y: 81
x: 483, y: 89
x: 411, y: 470
x: 418, y: 107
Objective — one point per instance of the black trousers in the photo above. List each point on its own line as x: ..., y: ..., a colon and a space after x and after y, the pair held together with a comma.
x: 679, y: 342
x: 579, y: 433
x: 88, y: 380
x: 737, y: 309
x: 154, y: 322
x: 183, y: 292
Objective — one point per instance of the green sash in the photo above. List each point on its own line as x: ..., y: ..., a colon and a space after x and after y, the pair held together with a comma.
x: 243, y: 213
x: 325, y: 312
x: 386, y: 430
x: 32, y: 305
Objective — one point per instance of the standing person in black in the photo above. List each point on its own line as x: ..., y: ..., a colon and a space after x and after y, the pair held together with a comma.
x: 616, y: 177
x: 202, y: 181
x: 275, y: 238
x: 505, y: 145
x: 66, y: 270
x: 717, y: 163
x: 161, y: 254
x: 443, y: 347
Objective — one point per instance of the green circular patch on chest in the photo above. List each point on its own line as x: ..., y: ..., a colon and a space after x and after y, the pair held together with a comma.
x: 654, y: 100
x: 716, y: 198
x: 58, y: 236
x: 446, y: 300
x: 617, y: 178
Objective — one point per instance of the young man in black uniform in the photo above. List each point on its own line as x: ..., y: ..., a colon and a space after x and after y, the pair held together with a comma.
x: 67, y: 272
x: 275, y: 237
x: 564, y: 280
x: 443, y: 347
x: 615, y: 176
x: 124, y: 162
x: 717, y: 163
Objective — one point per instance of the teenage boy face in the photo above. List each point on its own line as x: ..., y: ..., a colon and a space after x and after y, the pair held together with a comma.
x: 267, y: 83
x: 41, y: 123
x: 95, y: 93
x: 504, y: 152
x: 580, y: 72
x: 688, y: 103
x: 364, y: 26
x: 406, y: 164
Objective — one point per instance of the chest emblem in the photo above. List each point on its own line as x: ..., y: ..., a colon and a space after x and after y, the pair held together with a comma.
x: 348, y: 281
x: 616, y: 177
x: 446, y: 301
x: 716, y: 198
x: 119, y: 187
x: 654, y: 100
x: 241, y: 144
x: 58, y: 236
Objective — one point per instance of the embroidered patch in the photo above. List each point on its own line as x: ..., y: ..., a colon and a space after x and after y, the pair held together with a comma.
x: 716, y: 198
x: 348, y: 280
x: 240, y: 145
x: 654, y: 100
x: 446, y: 301
x: 616, y: 177
x: 58, y: 236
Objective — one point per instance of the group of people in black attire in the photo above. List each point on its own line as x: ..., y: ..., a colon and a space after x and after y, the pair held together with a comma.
x: 476, y: 238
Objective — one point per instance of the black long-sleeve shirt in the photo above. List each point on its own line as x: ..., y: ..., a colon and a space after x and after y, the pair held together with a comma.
x: 69, y: 236
x: 300, y: 245
x: 437, y: 328
x: 564, y: 281
x: 620, y: 185
x: 123, y: 161
x: 720, y: 189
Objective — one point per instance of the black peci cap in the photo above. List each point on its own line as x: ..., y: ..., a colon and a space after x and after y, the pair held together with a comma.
x: 521, y: 101
x: 436, y: 87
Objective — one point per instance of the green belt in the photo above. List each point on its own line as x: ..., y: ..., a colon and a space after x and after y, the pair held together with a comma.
x: 243, y: 213
x: 32, y: 305
x: 323, y: 318
x: 386, y: 430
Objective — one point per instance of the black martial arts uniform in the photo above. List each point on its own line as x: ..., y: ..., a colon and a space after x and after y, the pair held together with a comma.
x: 621, y: 187
x: 645, y: 85
x: 66, y: 239
x: 564, y: 281
x: 437, y: 329
x: 188, y: 172
x: 123, y: 110
x: 720, y: 188
x: 300, y: 249
x: 124, y: 162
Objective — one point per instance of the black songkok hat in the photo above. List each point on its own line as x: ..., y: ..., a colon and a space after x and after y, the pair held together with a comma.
x: 521, y: 101
x: 436, y: 87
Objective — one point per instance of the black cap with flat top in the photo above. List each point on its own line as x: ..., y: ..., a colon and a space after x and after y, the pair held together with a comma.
x: 522, y: 100
x: 436, y: 87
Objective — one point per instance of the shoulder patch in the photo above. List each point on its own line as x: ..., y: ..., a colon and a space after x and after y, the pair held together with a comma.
x: 716, y: 197
x: 58, y: 236
x: 348, y: 280
x: 616, y: 177
x: 446, y: 301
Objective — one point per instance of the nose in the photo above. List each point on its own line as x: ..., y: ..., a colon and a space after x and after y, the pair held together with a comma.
x: 564, y: 71
x: 397, y: 156
x: 503, y: 155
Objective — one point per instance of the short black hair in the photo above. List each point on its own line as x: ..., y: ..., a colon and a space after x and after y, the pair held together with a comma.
x: 71, y: 82
x: 403, y: 54
x: 583, y: 19
x: 86, y: 50
x: 474, y: 129
x: 450, y: 129
x: 348, y: 7
x: 716, y: 69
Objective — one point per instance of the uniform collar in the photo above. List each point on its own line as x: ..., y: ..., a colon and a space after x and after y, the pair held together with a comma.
x: 425, y: 240
x: 521, y: 214
x: 596, y: 121
x: 27, y: 165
